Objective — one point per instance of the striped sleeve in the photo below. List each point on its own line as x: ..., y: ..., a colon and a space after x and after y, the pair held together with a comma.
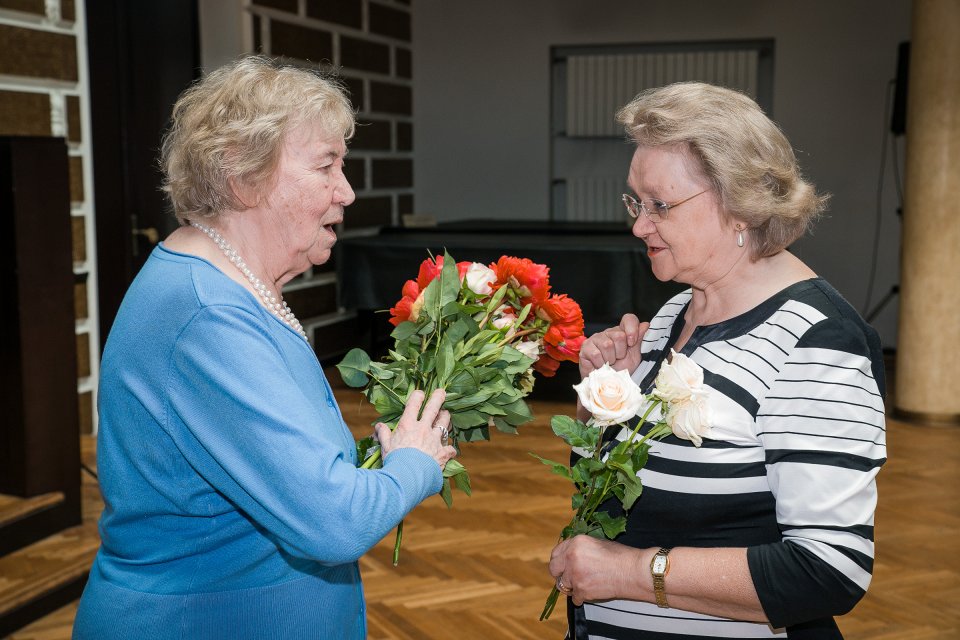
x: 822, y: 427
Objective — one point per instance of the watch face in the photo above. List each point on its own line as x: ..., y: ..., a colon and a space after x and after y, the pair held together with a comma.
x: 659, y: 564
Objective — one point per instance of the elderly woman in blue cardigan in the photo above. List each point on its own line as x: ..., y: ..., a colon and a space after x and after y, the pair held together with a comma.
x: 234, y: 507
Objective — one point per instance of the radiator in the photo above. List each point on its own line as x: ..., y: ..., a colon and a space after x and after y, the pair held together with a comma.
x: 598, y: 85
x: 595, y: 199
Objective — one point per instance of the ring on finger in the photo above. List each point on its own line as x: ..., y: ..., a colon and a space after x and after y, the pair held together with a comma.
x: 562, y: 587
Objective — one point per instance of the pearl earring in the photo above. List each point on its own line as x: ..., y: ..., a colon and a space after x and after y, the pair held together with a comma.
x: 739, y: 237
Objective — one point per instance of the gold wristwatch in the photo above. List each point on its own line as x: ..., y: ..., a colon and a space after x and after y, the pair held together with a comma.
x: 659, y: 567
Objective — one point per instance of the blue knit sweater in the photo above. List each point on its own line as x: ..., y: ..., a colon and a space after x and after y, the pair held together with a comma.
x: 233, y: 505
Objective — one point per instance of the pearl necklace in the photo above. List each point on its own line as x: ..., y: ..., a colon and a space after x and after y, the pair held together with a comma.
x: 279, y: 307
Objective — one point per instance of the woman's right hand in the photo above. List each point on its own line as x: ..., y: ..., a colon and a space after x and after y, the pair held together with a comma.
x: 617, y: 346
x: 426, y: 433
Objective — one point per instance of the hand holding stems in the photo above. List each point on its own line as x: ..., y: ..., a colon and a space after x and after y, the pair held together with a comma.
x: 601, y: 487
x: 425, y: 432
x: 593, y: 569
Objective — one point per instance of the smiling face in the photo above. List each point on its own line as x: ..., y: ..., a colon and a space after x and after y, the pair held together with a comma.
x: 695, y: 244
x: 308, y: 195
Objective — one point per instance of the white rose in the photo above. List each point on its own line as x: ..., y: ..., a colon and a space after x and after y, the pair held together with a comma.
x: 690, y: 419
x: 478, y: 277
x: 502, y: 322
x: 529, y: 348
x: 678, y: 379
x: 611, y: 396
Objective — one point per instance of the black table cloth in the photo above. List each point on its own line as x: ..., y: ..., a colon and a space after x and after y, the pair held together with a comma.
x: 601, y: 266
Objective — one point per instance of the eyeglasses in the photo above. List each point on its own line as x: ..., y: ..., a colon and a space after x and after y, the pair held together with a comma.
x: 655, y: 210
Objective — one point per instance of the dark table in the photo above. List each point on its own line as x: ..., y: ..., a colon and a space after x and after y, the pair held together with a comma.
x: 601, y: 266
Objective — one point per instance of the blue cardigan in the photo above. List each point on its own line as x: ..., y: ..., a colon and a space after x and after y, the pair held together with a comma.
x: 233, y: 505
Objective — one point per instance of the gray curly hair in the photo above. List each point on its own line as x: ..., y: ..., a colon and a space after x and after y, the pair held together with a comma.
x: 228, y: 128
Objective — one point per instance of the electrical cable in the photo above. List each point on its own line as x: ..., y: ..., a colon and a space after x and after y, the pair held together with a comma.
x: 85, y: 467
x: 891, y: 87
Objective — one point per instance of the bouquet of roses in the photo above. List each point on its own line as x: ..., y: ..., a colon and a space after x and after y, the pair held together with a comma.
x: 478, y: 331
x: 610, y: 468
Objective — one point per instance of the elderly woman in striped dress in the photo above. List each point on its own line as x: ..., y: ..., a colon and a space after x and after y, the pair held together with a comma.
x: 766, y: 530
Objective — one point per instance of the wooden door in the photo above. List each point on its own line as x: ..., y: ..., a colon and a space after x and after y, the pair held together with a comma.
x: 141, y: 56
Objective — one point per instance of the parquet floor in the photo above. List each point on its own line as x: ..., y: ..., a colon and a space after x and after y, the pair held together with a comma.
x: 478, y: 571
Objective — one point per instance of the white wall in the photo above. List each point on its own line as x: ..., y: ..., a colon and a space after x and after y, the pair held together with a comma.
x: 481, y: 106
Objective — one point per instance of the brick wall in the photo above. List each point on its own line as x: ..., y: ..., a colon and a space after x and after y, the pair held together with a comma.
x: 43, y: 92
x: 368, y: 42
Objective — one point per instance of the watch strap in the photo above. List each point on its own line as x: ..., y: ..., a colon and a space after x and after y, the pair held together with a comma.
x: 659, y: 585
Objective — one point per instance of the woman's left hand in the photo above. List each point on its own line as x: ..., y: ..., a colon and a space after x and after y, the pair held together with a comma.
x: 428, y: 433
x: 592, y: 569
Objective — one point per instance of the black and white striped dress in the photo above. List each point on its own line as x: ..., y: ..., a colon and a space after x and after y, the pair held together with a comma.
x: 797, y: 440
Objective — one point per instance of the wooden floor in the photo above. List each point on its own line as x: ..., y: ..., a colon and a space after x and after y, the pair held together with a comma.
x: 479, y: 570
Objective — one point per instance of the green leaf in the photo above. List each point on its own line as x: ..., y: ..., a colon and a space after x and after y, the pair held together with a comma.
x: 404, y: 331
x: 384, y: 401
x: 450, y: 281
x: 461, y: 329
x: 491, y: 409
x: 517, y: 412
x: 467, y: 402
x: 632, y: 490
x: 354, y: 367
x: 475, y: 435
x: 575, y: 528
x: 395, y: 356
x: 640, y: 455
x: 445, y: 363
x: 504, y: 426
x: 466, y: 419
x: 446, y: 493
x: 462, y: 481
x: 463, y: 383
x: 557, y: 468
x: 452, y: 468
x: 366, y: 447
x: 381, y: 371
x: 612, y: 527
x: 576, y: 501
x: 585, y: 469
x: 523, y: 314
x: 496, y: 299
x: 574, y: 432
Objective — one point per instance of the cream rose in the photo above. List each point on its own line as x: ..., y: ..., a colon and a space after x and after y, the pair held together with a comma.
x: 611, y: 396
x: 690, y: 419
x: 529, y: 348
x: 678, y: 379
x: 478, y: 277
x: 679, y: 384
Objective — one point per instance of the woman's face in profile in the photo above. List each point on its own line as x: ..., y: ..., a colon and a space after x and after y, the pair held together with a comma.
x: 694, y: 244
x: 308, y: 195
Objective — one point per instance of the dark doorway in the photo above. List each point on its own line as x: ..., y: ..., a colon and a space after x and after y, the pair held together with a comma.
x: 142, y: 55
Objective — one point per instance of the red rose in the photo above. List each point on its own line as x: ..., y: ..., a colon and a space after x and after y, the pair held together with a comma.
x: 546, y: 366
x: 566, y: 349
x: 561, y: 309
x: 531, y: 279
x: 430, y: 270
x: 401, y: 312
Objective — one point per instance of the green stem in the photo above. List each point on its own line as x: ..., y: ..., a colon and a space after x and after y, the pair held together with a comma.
x: 591, y: 502
x: 372, y: 460
x: 550, y: 604
x: 396, y: 545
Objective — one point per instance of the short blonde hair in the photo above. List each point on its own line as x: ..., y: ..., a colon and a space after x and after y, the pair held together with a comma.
x: 742, y: 153
x: 228, y: 129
